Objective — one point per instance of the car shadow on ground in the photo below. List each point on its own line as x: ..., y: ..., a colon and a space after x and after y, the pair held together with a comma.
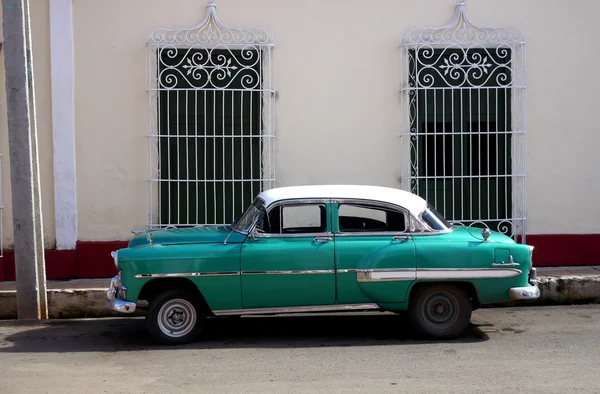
x: 130, y: 334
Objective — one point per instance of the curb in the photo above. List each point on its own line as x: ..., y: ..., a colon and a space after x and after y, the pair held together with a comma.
x: 569, y: 289
x: 66, y: 304
x: 92, y: 303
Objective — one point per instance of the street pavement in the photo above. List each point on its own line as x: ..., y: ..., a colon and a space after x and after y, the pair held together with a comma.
x: 553, y: 349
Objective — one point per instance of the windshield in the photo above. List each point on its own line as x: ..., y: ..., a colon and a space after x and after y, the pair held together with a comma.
x: 435, y: 220
x: 244, y: 223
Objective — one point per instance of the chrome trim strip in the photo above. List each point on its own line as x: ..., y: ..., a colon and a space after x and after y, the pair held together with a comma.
x: 288, y: 272
x: 298, y: 309
x: 386, y: 275
x: 466, y: 273
x: 175, y: 275
x: 431, y: 232
x: 298, y: 201
x: 346, y: 271
x: 392, y: 274
x: 298, y: 235
x: 390, y: 234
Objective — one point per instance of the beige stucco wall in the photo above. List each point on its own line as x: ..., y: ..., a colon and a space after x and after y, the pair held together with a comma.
x: 338, y: 107
x: 40, y: 30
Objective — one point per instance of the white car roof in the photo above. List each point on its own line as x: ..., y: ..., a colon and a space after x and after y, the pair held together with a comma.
x: 413, y: 203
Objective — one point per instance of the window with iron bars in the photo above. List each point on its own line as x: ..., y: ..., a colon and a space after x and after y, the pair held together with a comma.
x: 462, y: 132
x: 209, y: 139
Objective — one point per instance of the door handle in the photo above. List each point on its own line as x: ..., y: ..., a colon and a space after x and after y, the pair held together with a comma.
x: 323, y: 239
x: 401, y: 238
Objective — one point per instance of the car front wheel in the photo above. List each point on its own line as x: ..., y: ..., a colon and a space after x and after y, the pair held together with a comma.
x: 440, y: 311
x: 175, y: 317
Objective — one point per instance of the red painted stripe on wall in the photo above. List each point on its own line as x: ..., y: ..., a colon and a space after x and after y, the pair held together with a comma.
x: 93, y: 260
x: 552, y: 250
x: 88, y: 260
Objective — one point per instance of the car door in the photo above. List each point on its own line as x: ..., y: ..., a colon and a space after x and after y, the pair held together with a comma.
x: 374, y: 252
x: 288, y: 260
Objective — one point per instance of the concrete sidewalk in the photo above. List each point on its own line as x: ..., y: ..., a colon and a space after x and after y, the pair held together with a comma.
x: 83, y: 298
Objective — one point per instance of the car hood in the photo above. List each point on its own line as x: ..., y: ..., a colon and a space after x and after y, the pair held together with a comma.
x: 463, y: 233
x: 174, y: 236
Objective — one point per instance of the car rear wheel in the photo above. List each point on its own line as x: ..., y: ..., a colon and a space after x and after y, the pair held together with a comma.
x: 440, y: 311
x: 175, y: 317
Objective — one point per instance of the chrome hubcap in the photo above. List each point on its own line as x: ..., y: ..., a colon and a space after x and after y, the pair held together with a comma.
x: 177, y: 318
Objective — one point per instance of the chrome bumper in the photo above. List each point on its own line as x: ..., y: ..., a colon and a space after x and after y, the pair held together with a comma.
x: 122, y: 306
x: 530, y: 292
x: 115, y: 291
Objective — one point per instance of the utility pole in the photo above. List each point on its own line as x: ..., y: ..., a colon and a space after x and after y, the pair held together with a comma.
x: 24, y: 168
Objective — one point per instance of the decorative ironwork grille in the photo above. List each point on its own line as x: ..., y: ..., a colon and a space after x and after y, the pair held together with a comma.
x: 463, y: 96
x: 211, y: 123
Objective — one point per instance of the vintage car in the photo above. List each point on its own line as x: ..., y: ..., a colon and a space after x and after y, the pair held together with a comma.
x: 321, y: 249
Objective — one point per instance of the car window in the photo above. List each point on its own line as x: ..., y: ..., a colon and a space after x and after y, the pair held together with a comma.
x: 366, y: 218
x: 294, y: 219
x: 247, y: 219
x: 434, y: 219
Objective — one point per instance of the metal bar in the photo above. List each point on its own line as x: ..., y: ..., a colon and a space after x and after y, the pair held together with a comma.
x: 435, y: 155
x: 214, y: 157
x: 444, y: 145
x: 215, y: 89
x: 251, y: 148
x: 474, y: 133
x: 148, y: 147
x: 471, y: 156
x: 232, y: 155
x: 488, y: 152
x: 497, y: 156
x: 205, y: 163
x: 168, y: 156
x: 523, y: 126
x: 242, y: 142
x: 261, y: 55
x: 418, y: 153
x: 506, y: 155
x: 223, y: 142
x: 217, y: 180
x: 159, y: 147
x: 467, y: 176
x: 425, y: 154
x: 462, y: 162
x: 479, y: 149
x: 178, y: 164
x: 187, y: 150
x: 215, y: 137
x: 466, y: 87
x: 453, y: 158
x: 196, y: 154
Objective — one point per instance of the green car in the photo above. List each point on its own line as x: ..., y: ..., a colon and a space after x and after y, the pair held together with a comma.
x: 321, y: 249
